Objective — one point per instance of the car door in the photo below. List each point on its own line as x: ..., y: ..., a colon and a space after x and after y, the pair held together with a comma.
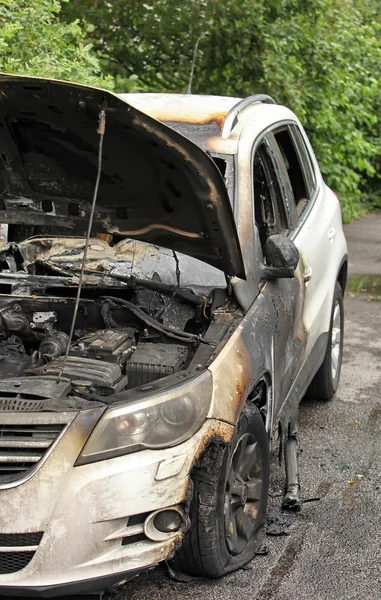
x: 274, y: 215
x: 313, y: 233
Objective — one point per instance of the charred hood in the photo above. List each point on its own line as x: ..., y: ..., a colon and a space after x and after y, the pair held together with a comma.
x: 155, y: 185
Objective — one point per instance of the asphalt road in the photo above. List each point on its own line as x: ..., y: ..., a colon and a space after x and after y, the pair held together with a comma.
x: 332, y: 549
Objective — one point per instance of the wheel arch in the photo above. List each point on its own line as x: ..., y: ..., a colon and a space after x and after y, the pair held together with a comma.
x: 261, y: 396
x: 343, y: 273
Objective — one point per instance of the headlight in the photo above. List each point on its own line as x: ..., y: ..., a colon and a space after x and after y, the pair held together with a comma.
x: 160, y: 421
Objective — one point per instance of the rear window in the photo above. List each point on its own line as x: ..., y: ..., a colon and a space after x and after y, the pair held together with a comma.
x: 298, y: 165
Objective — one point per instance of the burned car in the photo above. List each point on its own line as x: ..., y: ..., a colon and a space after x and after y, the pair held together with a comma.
x: 172, y: 272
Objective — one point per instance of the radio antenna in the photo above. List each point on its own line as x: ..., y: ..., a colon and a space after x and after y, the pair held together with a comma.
x: 101, y: 132
x: 189, y: 88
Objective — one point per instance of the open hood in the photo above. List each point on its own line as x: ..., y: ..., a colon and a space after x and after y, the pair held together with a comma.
x: 155, y: 184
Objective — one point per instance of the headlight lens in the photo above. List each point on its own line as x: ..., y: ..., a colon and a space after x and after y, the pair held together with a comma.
x: 159, y: 421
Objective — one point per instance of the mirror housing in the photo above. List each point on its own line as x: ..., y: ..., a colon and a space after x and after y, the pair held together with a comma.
x: 282, y: 257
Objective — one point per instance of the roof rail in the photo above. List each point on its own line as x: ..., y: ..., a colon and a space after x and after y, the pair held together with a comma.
x: 232, y: 116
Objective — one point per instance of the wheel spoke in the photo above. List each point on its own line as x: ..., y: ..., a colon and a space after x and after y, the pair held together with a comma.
x: 231, y: 533
x: 243, y: 493
x: 336, y: 340
x: 239, y: 454
x: 244, y: 525
x: 336, y: 316
x: 335, y: 337
x: 254, y: 489
x: 248, y: 460
x: 235, y: 502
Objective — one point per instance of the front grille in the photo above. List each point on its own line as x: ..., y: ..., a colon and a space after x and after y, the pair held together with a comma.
x: 20, y: 403
x: 13, y: 560
x: 137, y: 519
x: 10, y: 562
x: 135, y: 529
x: 21, y: 539
x: 132, y: 539
x: 22, y: 447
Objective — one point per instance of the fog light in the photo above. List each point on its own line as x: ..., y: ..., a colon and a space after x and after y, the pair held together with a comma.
x: 163, y: 524
x: 168, y: 521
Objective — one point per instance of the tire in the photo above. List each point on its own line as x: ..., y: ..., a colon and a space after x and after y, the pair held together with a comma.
x: 326, y: 381
x: 221, y: 505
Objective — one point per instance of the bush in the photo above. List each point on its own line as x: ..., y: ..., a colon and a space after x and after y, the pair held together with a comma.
x: 320, y: 57
x: 33, y: 41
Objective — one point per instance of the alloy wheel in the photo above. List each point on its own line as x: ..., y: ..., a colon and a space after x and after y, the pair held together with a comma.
x: 243, y: 493
x: 336, y: 342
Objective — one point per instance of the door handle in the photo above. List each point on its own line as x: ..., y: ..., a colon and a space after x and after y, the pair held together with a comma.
x: 331, y: 233
x: 307, y: 275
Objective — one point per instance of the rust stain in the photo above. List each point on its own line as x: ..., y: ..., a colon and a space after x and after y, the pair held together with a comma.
x: 219, y: 432
x: 244, y: 367
x: 191, y: 117
x: 153, y: 227
x: 106, y: 237
x: 232, y: 371
x: 220, y: 346
x: 239, y: 392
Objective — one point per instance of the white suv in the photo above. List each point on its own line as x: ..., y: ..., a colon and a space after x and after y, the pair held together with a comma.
x: 147, y: 369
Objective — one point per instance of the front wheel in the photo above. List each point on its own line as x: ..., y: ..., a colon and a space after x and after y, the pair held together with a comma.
x: 229, y: 502
x: 326, y: 381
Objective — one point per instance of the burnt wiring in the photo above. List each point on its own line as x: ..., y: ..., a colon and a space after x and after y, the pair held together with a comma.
x: 204, y: 308
x: 156, y: 286
x: 178, y: 273
x: 182, y: 336
x: 175, y: 291
x: 107, y: 317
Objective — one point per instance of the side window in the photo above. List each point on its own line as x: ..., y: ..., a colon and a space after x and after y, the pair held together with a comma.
x: 305, y: 158
x: 300, y: 177
x: 269, y: 210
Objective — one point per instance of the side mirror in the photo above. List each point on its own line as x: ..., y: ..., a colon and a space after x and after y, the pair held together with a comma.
x: 282, y: 257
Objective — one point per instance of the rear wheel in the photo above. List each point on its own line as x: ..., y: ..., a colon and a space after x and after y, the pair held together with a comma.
x: 326, y: 381
x: 229, y: 502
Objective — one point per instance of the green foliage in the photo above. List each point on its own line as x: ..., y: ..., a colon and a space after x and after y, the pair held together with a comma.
x: 148, y: 46
x: 320, y: 57
x: 33, y: 41
x: 330, y: 75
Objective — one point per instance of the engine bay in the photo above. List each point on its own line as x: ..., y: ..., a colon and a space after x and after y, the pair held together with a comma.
x: 128, y: 331
x: 101, y: 359
x: 126, y: 335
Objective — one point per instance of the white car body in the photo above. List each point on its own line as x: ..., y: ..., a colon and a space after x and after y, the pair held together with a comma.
x: 90, y: 540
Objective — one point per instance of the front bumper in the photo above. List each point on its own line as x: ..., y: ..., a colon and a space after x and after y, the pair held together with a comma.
x: 92, y: 516
x: 85, y: 586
